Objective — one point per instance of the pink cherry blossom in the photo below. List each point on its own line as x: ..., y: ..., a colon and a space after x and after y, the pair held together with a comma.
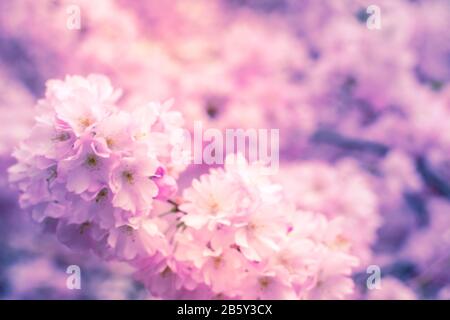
x: 276, y: 251
x: 95, y: 168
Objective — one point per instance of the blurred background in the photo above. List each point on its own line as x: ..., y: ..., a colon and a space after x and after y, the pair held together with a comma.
x: 363, y: 113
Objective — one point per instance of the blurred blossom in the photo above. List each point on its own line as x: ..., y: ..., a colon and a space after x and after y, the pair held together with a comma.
x: 341, y: 191
x: 364, y: 137
x: 392, y: 289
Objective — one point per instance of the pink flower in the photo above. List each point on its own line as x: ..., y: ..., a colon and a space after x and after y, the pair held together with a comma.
x: 132, y: 185
x: 219, y: 270
x: 267, y: 286
x: 82, y: 237
x: 87, y: 169
x: 256, y: 250
x: 81, y: 102
x: 143, y: 239
x: 211, y: 201
x: 260, y: 233
x: 50, y: 142
x: 97, y: 169
x: 340, y: 191
x: 115, y: 132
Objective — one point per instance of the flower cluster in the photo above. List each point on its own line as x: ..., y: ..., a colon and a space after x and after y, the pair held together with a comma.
x: 337, y: 191
x: 353, y: 147
x: 95, y: 170
x: 105, y: 177
x: 238, y: 237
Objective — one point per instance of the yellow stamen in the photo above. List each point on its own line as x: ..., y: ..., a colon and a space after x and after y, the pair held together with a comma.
x: 102, y: 194
x: 166, y: 272
x: 217, y: 262
x: 85, y: 122
x: 84, y: 226
x: 61, y: 137
x: 128, y: 176
x: 264, y: 282
x: 91, y: 160
x: 110, y: 142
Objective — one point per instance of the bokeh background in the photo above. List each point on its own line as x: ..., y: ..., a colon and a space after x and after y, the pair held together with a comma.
x: 364, y: 117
